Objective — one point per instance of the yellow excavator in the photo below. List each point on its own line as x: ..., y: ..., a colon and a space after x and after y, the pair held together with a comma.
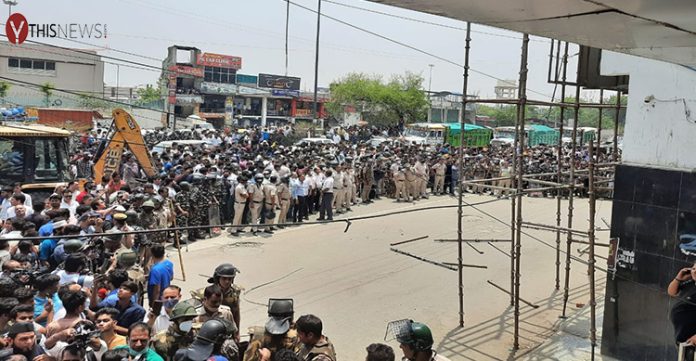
x: 125, y: 132
x: 37, y: 156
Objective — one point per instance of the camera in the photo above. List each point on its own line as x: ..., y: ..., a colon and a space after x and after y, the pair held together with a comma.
x: 85, y: 331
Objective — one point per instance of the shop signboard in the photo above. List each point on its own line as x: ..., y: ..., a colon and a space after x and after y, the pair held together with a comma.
x: 247, y: 79
x: 218, y: 88
x: 220, y: 61
x: 285, y: 93
x: 279, y: 82
x: 252, y: 91
x: 186, y: 70
x: 211, y: 115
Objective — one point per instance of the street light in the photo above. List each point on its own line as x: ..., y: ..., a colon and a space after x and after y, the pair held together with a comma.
x: 10, y: 3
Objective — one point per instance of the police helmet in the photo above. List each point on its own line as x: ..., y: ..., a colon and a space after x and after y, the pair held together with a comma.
x: 212, y: 331
x: 183, y: 309
x: 197, y: 178
x: 273, y: 179
x: 149, y: 204
x: 157, y: 200
x: 225, y: 270
x: 280, y: 307
x: 185, y: 186
x: 72, y: 246
x: 132, y: 216
x: 128, y: 258
x: 418, y: 336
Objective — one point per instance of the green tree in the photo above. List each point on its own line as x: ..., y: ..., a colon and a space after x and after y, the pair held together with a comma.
x: 147, y: 95
x: 4, y: 87
x: 381, y: 103
x: 47, y: 89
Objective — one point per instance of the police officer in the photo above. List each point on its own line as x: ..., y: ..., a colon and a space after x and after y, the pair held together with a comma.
x: 269, y: 202
x: 128, y: 261
x: 199, y: 209
x: 182, y: 205
x: 416, y: 342
x: 240, y: 199
x: 179, y: 334
x: 315, y: 346
x: 284, y: 197
x: 213, y: 339
x: 278, y: 333
x: 256, y: 203
x: 223, y: 277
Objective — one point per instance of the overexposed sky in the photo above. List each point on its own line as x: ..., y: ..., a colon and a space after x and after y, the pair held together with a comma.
x: 255, y: 30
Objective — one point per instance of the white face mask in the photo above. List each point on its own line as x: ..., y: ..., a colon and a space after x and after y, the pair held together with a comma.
x: 185, y: 326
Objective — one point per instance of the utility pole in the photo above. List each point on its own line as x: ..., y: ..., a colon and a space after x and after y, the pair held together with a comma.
x: 316, y: 65
x: 430, y: 84
x: 287, y: 30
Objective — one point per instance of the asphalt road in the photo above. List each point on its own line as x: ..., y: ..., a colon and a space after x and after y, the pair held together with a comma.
x: 356, y: 284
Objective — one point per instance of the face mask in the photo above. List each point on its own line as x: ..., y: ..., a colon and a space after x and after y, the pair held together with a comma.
x: 185, y: 326
x: 137, y: 353
x: 169, y: 304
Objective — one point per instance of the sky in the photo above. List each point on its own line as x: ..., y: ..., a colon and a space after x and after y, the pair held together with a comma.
x: 255, y: 31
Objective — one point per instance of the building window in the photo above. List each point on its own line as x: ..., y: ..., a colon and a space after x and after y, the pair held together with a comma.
x: 38, y: 67
x: 219, y: 75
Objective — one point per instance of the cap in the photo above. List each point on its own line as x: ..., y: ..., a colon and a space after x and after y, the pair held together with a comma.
x: 199, y: 350
x: 120, y: 216
x: 20, y: 327
x: 277, y: 326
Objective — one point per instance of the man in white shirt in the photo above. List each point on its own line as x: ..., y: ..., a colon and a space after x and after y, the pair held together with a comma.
x: 27, y: 198
x: 6, y: 196
x: 327, y: 189
x: 69, y: 203
x: 17, y: 200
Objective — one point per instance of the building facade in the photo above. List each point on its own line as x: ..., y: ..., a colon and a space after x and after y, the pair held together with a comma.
x: 210, y: 86
x: 36, y: 65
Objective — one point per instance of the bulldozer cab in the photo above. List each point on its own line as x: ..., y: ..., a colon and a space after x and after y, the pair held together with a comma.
x: 35, y: 155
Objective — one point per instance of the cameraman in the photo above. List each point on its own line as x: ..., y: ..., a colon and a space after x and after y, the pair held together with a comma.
x: 683, y: 313
x: 74, y: 265
x: 82, y: 336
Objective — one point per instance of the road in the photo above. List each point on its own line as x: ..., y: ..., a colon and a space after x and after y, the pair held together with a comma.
x: 356, y: 284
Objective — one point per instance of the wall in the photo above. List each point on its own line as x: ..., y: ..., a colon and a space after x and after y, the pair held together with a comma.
x: 74, y: 71
x: 654, y: 203
x: 658, y: 133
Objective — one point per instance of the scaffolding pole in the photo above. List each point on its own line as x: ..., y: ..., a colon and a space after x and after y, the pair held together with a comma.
x: 460, y: 186
x: 559, y: 194
x: 520, y: 175
x: 599, y: 125
x: 591, y: 263
x: 569, y: 240
x: 615, y: 153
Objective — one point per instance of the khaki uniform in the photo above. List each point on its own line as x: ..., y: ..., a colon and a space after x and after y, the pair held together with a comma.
x: 410, y: 183
x: 322, y: 351
x: 421, y: 171
x: 400, y: 186
x: 240, y: 194
x: 167, y: 342
x: 223, y: 312
x: 439, y: 185
x: 269, y: 202
x: 338, y: 191
x: 348, y: 183
x: 255, y: 205
x: 261, y: 339
x: 284, y: 198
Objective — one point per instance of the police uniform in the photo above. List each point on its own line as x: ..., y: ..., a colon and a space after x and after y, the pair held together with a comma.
x: 410, y: 183
x: 269, y: 202
x: 262, y: 339
x: 284, y: 197
x: 223, y: 312
x: 183, y: 201
x: 167, y: 342
x: 255, y: 205
x: 439, y: 185
x: 421, y: 171
x: 199, y: 210
x: 240, y: 198
x: 338, y: 191
x: 367, y: 178
x: 322, y: 351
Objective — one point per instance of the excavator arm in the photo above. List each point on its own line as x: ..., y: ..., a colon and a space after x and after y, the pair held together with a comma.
x: 126, y: 134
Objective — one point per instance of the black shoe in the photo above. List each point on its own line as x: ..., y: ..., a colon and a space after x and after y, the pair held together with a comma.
x: 234, y: 234
x: 268, y: 231
x: 318, y: 219
x: 329, y: 219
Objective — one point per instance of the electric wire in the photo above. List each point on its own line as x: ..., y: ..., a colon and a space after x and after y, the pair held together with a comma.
x: 400, y: 43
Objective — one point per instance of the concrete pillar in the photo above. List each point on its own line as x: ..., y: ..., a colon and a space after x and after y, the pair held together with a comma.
x: 461, y: 113
x: 264, y: 110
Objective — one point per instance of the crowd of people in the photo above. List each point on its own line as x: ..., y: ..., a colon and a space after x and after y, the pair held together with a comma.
x: 66, y: 294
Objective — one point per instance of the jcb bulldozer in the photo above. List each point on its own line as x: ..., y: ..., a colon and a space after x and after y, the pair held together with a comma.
x: 37, y: 155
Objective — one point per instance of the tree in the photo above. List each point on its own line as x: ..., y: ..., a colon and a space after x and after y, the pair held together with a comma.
x: 47, y: 89
x: 148, y: 94
x: 4, y: 87
x: 381, y: 103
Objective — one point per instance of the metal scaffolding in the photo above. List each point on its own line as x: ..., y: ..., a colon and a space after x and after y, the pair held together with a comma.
x: 564, y: 186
